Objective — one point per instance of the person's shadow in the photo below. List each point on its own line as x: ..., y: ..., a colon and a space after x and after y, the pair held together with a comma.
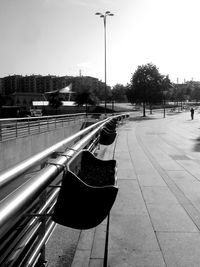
x: 196, y: 145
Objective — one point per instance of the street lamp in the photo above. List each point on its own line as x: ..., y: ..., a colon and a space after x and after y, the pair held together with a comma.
x: 104, y: 16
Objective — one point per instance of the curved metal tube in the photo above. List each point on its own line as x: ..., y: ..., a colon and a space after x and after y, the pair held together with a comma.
x: 12, y: 173
x: 16, y: 203
x: 14, y: 206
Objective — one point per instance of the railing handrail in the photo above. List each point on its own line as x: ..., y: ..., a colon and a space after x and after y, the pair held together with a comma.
x: 12, y: 128
x: 23, y: 196
x: 42, y: 117
x: 13, y: 172
x: 14, y: 206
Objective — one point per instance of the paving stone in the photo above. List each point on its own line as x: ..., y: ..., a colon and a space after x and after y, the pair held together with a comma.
x: 86, y: 239
x: 96, y: 263
x: 180, y: 249
x: 180, y: 176
x: 158, y: 194
x: 126, y: 173
x: 171, y: 218
x: 136, y: 258
x: 192, y: 167
x: 81, y: 258
x: 150, y: 180
x: 98, y: 246
x: 129, y: 199
x: 131, y: 232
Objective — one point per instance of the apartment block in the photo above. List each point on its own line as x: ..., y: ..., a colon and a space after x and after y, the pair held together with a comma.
x: 11, y: 84
x: 33, y: 83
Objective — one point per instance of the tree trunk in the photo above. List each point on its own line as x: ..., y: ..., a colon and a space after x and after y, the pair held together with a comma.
x: 144, y: 114
x: 151, y: 109
x: 86, y: 109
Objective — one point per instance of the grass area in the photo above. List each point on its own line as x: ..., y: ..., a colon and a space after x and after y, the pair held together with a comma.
x: 120, y: 107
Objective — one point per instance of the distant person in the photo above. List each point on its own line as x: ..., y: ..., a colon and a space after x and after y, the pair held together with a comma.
x: 192, y: 113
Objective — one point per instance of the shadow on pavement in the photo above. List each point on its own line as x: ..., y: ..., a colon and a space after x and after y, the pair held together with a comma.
x: 141, y: 118
x: 197, y: 144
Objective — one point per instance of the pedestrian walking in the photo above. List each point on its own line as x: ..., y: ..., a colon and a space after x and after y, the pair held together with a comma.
x: 192, y: 113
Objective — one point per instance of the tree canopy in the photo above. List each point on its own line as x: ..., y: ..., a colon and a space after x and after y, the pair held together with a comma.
x: 55, y: 101
x: 119, y: 93
x: 85, y: 97
x: 147, y: 85
x: 93, y: 85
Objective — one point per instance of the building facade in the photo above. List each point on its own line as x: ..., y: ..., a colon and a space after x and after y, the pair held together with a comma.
x: 25, y: 89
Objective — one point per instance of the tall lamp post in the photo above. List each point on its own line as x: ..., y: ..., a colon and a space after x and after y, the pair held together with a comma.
x: 104, y: 16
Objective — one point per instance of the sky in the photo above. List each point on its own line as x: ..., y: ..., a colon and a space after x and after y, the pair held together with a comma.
x: 65, y: 37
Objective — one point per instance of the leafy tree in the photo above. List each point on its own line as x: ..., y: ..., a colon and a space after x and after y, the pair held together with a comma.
x: 86, y: 97
x: 146, y: 86
x: 95, y: 86
x: 55, y: 101
x: 195, y: 93
x: 179, y: 93
x: 119, y: 93
x: 129, y: 93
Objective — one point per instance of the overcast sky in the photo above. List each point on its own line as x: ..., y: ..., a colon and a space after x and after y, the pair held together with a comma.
x: 62, y: 37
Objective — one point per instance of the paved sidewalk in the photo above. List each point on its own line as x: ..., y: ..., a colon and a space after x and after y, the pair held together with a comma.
x: 155, y: 220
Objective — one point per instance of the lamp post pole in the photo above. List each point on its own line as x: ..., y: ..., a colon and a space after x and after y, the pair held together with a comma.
x: 107, y: 13
x: 105, y: 94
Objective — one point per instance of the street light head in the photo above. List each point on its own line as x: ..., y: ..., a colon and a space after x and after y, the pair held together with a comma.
x: 102, y: 16
x: 98, y: 13
x: 111, y: 14
x: 107, y: 12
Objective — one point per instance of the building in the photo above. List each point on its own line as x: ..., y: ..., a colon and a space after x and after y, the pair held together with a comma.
x: 28, y: 84
x: 33, y: 83
x: 25, y: 89
x: 11, y: 84
x: 1, y: 87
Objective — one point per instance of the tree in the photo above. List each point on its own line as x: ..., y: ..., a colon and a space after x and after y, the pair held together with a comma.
x: 119, y: 93
x: 86, y: 97
x: 195, y: 93
x: 55, y: 101
x: 92, y: 84
x: 146, y: 86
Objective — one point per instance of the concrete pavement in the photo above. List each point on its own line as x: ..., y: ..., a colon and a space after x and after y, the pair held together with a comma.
x: 155, y: 220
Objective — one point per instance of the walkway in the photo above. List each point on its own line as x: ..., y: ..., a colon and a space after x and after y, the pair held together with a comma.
x: 155, y: 221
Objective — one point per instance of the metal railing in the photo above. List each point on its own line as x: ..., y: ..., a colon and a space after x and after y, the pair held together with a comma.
x: 20, y: 127
x: 25, y: 213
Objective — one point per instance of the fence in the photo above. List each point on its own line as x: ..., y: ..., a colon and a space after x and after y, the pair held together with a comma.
x: 14, y: 128
x: 25, y: 213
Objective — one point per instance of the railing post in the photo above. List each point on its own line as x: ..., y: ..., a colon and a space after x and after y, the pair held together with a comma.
x: 39, y: 124
x: 29, y: 130
x: 48, y: 123
x: 16, y: 128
